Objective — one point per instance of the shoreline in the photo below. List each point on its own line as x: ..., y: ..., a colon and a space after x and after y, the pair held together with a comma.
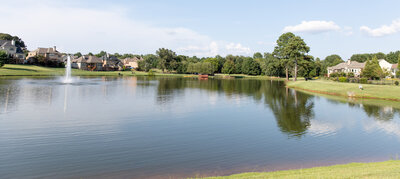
x: 12, y: 70
x: 349, y: 90
x: 386, y: 169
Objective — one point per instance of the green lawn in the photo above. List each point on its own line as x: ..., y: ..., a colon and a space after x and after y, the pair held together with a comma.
x: 388, y: 169
x: 388, y: 92
x: 32, y: 70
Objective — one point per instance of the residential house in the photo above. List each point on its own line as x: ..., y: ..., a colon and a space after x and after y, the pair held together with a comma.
x: 356, y: 67
x: 111, y: 63
x: 347, y: 67
x: 132, y: 62
x: 49, y: 54
x: 394, y: 70
x: 91, y: 63
x: 14, y: 51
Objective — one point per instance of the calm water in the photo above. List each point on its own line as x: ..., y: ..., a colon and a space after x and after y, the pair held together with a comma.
x: 176, y: 127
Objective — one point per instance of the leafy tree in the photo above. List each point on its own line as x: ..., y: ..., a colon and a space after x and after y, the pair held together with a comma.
x: 214, y: 62
x: 272, y: 66
x: 150, y: 61
x: 166, y: 58
x: 3, y: 58
x: 162, y: 64
x: 101, y: 54
x: 372, y: 70
x: 78, y: 54
x: 392, y: 57
x: 280, y: 51
x: 182, y: 67
x: 257, y: 55
x: 398, y: 66
x: 296, y: 49
x: 251, y: 67
x: 206, y: 68
x: 364, y: 57
x: 333, y: 60
x: 90, y: 54
x: 229, y: 67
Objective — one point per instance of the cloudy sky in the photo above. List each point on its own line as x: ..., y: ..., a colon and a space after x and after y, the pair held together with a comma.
x: 203, y: 28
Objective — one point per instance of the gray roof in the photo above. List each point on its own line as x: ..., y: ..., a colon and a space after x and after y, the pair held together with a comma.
x: 348, y: 64
x: 88, y: 59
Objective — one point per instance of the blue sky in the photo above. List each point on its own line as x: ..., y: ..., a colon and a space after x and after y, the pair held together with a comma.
x: 204, y: 28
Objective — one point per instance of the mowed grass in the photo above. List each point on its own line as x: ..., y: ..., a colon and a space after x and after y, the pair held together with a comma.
x: 388, y: 92
x: 389, y: 169
x: 32, y: 70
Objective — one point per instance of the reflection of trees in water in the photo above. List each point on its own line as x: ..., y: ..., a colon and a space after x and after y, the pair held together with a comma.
x: 9, y: 95
x: 382, y: 113
x: 385, y: 113
x: 292, y: 110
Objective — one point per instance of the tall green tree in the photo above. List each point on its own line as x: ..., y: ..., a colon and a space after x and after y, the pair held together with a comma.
x: 229, y: 67
x: 101, y: 54
x: 3, y: 58
x: 372, y: 70
x: 78, y: 54
x: 257, y: 55
x: 296, y: 49
x: 398, y: 67
x: 281, y: 53
x: 167, y: 58
x: 251, y: 67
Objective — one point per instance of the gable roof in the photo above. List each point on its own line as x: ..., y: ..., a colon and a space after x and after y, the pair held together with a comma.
x: 45, y: 50
x: 88, y: 59
x: 347, y: 64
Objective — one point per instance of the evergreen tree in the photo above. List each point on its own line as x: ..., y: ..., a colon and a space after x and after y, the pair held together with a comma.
x: 372, y: 70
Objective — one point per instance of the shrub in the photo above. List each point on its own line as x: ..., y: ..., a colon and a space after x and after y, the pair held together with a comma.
x: 363, y: 80
x: 343, y: 79
x: 150, y: 73
x: 396, y: 83
x: 350, y: 75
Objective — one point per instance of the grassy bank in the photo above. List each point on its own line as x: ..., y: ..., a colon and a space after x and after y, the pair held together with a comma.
x: 369, y: 91
x: 32, y: 70
x: 388, y: 169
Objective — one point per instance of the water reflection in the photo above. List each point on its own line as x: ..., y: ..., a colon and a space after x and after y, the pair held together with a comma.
x: 155, y: 126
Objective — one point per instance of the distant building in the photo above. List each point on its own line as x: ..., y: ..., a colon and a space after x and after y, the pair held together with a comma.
x: 111, y: 63
x: 394, y: 70
x: 356, y: 67
x: 14, y: 51
x: 86, y: 62
x: 132, y: 62
x: 347, y: 67
x: 49, y: 54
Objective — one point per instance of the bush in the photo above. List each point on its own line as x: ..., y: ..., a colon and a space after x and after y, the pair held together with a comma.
x: 150, y: 73
x: 363, y: 80
x: 350, y: 75
x: 353, y: 80
x: 343, y: 79
x: 396, y: 83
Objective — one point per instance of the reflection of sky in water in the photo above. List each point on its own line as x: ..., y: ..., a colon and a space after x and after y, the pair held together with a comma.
x: 142, y: 127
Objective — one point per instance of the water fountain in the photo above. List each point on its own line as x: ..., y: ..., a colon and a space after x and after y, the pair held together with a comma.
x: 67, y: 77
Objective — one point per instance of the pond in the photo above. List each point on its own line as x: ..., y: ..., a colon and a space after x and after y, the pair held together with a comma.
x: 141, y: 127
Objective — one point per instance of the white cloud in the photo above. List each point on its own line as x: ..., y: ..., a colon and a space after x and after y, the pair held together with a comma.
x: 216, y: 48
x: 383, y: 30
x: 74, y: 28
x: 313, y: 27
x: 237, y: 48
